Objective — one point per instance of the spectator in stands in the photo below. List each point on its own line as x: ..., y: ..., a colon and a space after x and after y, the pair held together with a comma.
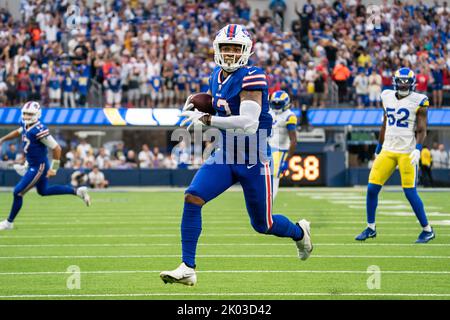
x: 426, y: 178
x: 11, y: 154
x: 320, y: 87
x: 437, y: 72
x: 24, y: 85
x: 68, y: 88
x: 145, y: 157
x: 119, y: 151
x: 278, y: 8
x: 158, y: 157
x: 103, y: 160
x: 422, y: 80
x: 361, y: 84
x: 131, y: 160
x: 113, y: 87
x: 375, y: 83
x: 97, y: 179
x: 440, y: 157
x: 134, y: 79
x: 340, y: 75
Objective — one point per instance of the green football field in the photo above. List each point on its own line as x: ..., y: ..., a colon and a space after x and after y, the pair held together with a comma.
x: 116, y: 248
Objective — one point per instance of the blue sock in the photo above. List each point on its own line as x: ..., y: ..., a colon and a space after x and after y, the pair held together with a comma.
x: 372, y: 201
x: 283, y: 227
x: 191, y: 227
x: 417, y: 205
x: 17, y: 204
x: 56, y: 190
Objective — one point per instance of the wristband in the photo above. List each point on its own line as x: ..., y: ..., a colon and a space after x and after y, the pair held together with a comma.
x: 55, y: 165
x: 419, y: 147
x: 378, y: 148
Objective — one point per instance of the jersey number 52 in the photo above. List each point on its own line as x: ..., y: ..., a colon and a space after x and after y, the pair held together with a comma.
x: 401, y: 119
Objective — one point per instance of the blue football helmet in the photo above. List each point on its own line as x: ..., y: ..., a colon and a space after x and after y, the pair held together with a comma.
x: 404, y: 81
x: 280, y: 101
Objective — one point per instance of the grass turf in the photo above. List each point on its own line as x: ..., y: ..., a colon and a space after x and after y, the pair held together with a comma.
x: 122, y: 242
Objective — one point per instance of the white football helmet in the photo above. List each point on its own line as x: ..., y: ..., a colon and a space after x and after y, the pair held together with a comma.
x: 31, y: 112
x: 232, y: 34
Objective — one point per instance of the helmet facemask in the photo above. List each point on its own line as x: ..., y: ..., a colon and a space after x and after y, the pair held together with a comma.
x: 403, y: 86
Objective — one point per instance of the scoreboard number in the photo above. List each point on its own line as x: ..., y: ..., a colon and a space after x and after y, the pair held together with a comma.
x: 307, y: 168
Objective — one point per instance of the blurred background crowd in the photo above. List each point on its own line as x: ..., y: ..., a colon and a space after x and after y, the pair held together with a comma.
x: 154, y: 54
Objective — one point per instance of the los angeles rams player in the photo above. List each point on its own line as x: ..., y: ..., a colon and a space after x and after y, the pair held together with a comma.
x: 240, y: 99
x: 36, y: 139
x: 283, y: 140
x: 401, y: 137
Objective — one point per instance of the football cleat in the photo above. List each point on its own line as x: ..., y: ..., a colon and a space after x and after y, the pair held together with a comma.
x: 183, y: 274
x: 304, y: 246
x: 6, y: 225
x: 83, y: 194
x: 367, y: 233
x: 426, y: 236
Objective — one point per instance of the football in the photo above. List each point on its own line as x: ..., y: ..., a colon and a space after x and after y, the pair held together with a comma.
x: 203, y: 102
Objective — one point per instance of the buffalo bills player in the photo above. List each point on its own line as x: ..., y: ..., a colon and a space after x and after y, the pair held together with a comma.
x: 36, y: 171
x: 240, y: 98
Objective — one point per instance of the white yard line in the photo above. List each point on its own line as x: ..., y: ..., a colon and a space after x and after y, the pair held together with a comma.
x: 35, y: 273
x: 227, y: 294
x: 247, y: 256
x: 360, y: 245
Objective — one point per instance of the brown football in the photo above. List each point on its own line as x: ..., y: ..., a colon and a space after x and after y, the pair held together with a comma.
x: 203, y: 102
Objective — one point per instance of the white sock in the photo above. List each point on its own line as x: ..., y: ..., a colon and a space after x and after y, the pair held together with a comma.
x: 427, y: 228
x: 371, y: 226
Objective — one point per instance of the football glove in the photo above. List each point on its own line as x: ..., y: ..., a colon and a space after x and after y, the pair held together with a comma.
x: 193, y: 117
x: 188, y: 105
x: 21, y: 169
x: 415, y: 155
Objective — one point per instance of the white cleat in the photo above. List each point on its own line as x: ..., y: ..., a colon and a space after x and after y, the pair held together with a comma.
x: 6, y: 225
x: 183, y: 274
x: 82, y: 192
x: 304, y: 246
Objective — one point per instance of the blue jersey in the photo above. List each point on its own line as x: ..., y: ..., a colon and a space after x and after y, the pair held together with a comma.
x: 226, y: 101
x: 35, y: 151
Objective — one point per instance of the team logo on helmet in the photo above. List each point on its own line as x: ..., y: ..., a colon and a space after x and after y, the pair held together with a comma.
x: 280, y: 101
x: 31, y: 112
x: 404, y: 81
x: 232, y: 34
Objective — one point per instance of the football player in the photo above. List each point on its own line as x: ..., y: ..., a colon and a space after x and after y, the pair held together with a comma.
x: 283, y: 140
x: 240, y: 98
x: 36, y: 139
x: 401, y: 137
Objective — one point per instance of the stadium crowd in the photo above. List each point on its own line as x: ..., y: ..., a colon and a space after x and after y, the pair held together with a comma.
x: 144, y: 54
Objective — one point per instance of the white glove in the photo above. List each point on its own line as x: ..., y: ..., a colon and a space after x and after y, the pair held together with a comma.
x: 192, y: 117
x: 188, y: 105
x: 415, y: 157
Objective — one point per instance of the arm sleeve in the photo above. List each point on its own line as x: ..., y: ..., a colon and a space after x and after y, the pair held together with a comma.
x: 49, y: 141
x: 42, y: 132
x: 254, y: 80
x: 291, y: 122
x: 247, y: 120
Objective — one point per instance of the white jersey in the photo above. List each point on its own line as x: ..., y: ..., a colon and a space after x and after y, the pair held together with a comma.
x: 400, y: 136
x: 280, y: 136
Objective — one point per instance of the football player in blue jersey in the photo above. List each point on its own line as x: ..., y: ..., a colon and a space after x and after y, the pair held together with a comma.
x: 36, y: 139
x: 240, y: 99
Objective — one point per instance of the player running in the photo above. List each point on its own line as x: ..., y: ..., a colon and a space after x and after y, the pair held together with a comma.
x: 36, y: 171
x: 283, y: 140
x: 405, y: 120
x: 240, y: 99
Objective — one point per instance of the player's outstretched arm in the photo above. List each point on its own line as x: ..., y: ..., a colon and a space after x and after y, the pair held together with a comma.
x: 248, y: 118
x: 421, y: 128
x: 12, y: 135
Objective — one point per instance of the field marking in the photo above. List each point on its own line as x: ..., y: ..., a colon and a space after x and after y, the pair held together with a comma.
x: 409, y: 213
x: 35, y: 273
x: 144, y: 256
x: 207, y: 235
x: 57, y: 245
x: 228, y: 294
